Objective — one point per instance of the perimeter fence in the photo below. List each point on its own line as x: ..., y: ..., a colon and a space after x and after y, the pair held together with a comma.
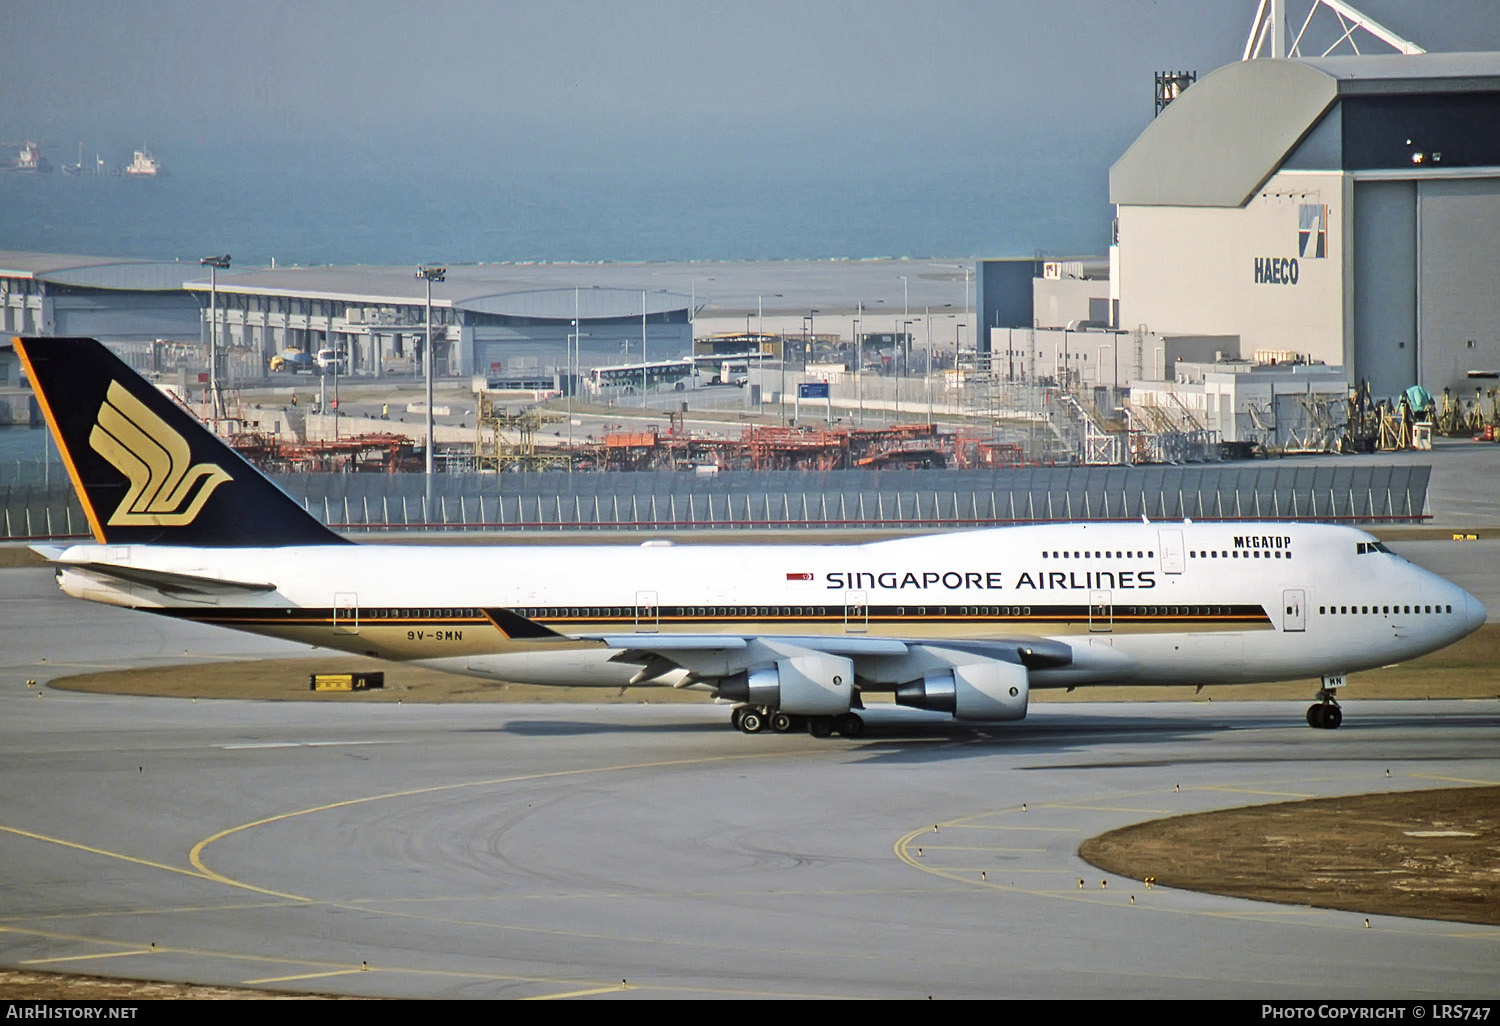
x: 37, y: 503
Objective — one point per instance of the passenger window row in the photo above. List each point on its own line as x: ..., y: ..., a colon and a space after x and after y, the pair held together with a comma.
x: 1236, y: 554
x: 369, y: 613
x: 1099, y: 555
x: 1380, y: 610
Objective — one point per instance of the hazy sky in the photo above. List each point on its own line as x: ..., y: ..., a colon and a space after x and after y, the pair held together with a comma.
x: 379, y: 131
x: 859, y: 73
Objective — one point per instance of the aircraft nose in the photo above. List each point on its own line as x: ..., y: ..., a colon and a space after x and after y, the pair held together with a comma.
x: 1475, y: 614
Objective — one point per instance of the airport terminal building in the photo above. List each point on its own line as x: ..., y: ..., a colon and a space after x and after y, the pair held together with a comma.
x: 1346, y: 209
x: 487, y: 319
x: 120, y: 300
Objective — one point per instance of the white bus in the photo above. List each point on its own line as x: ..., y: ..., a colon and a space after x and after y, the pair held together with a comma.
x: 628, y: 379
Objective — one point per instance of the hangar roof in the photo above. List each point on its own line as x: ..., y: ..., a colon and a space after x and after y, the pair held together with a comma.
x: 94, y: 272
x: 884, y: 288
x: 504, y: 289
x: 1224, y: 136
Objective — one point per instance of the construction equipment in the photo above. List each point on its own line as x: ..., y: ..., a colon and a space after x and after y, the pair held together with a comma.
x: 493, y: 429
x: 377, y: 453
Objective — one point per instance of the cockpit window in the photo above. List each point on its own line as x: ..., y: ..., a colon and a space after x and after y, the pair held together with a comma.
x: 1375, y: 546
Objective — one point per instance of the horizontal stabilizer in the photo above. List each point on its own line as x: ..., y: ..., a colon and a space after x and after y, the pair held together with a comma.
x: 169, y: 583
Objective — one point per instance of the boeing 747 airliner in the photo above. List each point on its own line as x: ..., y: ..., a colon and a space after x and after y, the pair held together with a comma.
x: 964, y: 623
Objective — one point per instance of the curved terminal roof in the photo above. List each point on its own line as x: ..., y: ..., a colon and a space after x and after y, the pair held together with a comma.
x: 489, y: 289
x: 883, y: 288
x: 1218, y: 142
x: 95, y: 272
x: 591, y: 303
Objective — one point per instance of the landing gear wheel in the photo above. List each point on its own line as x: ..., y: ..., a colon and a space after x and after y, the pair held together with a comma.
x: 820, y: 726
x: 781, y: 722
x: 752, y: 722
x: 738, y: 712
x: 1325, y: 716
x: 850, y: 725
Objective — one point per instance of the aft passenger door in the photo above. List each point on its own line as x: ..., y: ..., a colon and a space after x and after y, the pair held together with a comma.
x: 1294, y: 606
x: 1173, y: 556
x: 346, y: 613
x: 647, y: 613
x: 856, y: 612
x: 1101, y: 612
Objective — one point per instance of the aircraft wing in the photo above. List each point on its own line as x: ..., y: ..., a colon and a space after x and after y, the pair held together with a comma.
x: 713, y: 656
x: 709, y: 656
x: 685, y: 643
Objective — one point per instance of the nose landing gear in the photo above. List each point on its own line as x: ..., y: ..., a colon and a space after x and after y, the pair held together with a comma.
x: 1325, y: 714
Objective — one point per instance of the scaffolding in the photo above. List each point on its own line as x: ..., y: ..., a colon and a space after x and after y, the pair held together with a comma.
x: 371, y: 453
x: 1168, y: 433
x: 493, y: 429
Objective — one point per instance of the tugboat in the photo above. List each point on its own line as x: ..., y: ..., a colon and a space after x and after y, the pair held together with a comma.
x: 144, y: 165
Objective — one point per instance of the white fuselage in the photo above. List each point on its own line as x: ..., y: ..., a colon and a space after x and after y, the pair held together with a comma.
x: 1182, y: 603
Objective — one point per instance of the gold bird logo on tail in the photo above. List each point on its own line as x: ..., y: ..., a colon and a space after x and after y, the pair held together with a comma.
x: 164, y: 490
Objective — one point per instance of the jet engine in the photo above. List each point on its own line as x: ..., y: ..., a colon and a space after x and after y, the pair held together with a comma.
x: 976, y: 691
x: 805, y: 685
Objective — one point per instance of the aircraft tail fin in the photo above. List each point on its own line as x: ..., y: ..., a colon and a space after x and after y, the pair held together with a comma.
x: 146, y: 471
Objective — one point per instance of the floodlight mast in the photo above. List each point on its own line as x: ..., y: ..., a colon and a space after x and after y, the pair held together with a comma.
x: 214, y: 265
x: 429, y: 273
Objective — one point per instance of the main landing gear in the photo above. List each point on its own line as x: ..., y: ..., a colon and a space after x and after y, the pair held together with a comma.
x: 1325, y: 714
x: 753, y: 719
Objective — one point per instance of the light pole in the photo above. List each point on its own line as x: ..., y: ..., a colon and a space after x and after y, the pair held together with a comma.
x: 214, y: 265
x: 575, y: 338
x: 906, y: 336
x: 806, y: 334
x: 906, y: 312
x: 859, y: 362
x: 429, y: 273
x: 929, y: 384
x: 569, y: 381
x: 958, y: 380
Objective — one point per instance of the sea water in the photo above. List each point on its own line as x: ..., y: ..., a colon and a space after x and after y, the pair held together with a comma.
x: 374, y: 205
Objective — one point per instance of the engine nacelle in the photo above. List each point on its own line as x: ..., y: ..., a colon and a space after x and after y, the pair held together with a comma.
x: 806, y: 685
x: 975, y: 691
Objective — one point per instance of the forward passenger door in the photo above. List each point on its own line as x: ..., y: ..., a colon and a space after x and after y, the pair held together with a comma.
x: 1294, y: 610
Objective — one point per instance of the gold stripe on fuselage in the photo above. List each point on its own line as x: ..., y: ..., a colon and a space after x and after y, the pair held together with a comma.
x: 435, y: 637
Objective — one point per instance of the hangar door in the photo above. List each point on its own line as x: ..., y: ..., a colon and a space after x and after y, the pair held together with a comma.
x: 1385, y: 285
x: 1425, y: 301
x: 1458, y: 305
